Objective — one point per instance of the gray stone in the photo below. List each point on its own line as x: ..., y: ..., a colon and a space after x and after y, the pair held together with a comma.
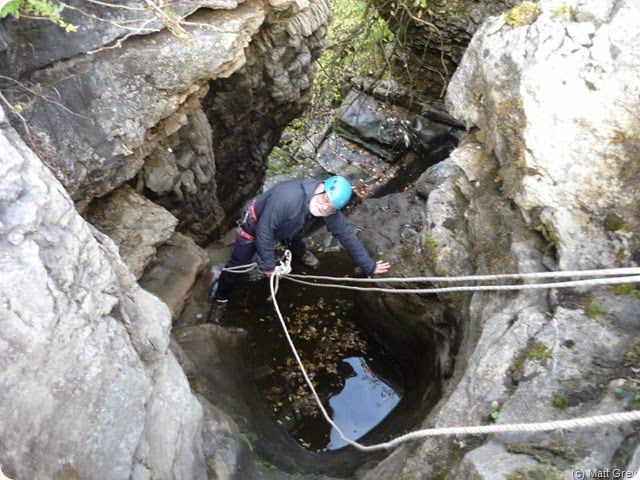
x: 109, y: 102
x: 33, y: 44
x: 88, y: 381
x: 173, y: 274
x: 518, y: 195
x: 557, y: 126
x: 134, y: 223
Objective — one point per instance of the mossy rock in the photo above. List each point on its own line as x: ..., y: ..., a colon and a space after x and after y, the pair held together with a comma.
x: 524, y: 14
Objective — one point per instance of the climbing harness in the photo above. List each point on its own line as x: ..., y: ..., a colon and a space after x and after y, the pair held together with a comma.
x: 622, y: 275
x: 250, y: 214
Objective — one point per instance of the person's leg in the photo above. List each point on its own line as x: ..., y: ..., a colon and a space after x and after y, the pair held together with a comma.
x: 298, y: 248
x: 299, y: 251
x: 242, y: 254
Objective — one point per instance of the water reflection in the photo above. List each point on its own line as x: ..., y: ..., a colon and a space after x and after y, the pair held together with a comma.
x: 364, y: 402
x: 346, y: 367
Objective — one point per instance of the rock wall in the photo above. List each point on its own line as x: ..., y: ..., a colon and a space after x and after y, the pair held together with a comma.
x: 547, y: 179
x: 431, y: 37
x: 146, y: 104
x: 249, y: 110
x: 88, y: 387
x: 130, y: 131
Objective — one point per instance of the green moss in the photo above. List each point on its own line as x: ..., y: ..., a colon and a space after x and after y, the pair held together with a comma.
x: 539, y: 351
x: 623, y: 289
x: 480, y: 137
x: 518, y: 365
x: 549, y: 233
x: 524, y: 14
x: 635, y: 402
x: 510, y: 123
x: 566, y: 10
x: 613, y: 222
x: 632, y: 357
x: 561, y: 401
x: 593, y: 310
x: 548, y: 456
x: 543, y: 472
x: 440, y: 474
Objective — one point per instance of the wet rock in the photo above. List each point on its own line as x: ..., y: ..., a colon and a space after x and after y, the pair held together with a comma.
x: 391, y: 131
x: 390, y: 91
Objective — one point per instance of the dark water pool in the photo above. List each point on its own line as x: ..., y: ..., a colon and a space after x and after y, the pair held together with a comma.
x: 357, y: 381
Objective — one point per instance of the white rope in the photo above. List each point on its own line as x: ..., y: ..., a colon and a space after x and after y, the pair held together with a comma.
x: 472, y: 288
x: 610, y: 419
x: 504, y: 276
x: 241, y: 268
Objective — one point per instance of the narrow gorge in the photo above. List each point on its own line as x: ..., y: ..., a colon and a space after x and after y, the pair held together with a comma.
x: 505, y: 141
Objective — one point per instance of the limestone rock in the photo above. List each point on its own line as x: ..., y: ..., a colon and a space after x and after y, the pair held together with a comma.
x: 88, y: 381
x: 173, y: 275
x: 562, y: 124
x: 33, y: 44
x: 540, y: 185
x: 108, y: 103
x: 135, y: 224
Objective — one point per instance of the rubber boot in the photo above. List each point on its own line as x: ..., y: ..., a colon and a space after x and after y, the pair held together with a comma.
x: 217, y: 312
x: 309, y: 259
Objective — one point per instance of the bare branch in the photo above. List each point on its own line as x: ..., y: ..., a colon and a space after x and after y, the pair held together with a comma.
x: 13, y: 110
x: 44, y: 97
x: 113, y: 5
x: 119, y: 24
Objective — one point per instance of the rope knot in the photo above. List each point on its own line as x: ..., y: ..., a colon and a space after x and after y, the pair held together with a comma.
x: 284, y: 267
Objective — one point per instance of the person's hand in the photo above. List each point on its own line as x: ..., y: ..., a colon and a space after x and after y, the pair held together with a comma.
x: 268, y: 274
x: 381, y: 267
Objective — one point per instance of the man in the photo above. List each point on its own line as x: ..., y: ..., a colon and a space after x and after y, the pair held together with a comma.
x: 289, y: 212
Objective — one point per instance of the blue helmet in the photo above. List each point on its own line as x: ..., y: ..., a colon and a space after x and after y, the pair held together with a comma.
x: 338, y: 189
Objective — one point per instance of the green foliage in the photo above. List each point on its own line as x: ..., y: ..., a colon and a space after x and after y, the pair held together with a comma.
x: 495, y: 410
x: 594, y: 310
x: 561, y: 401
x: 355, y: 41
x: 46, y: 9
